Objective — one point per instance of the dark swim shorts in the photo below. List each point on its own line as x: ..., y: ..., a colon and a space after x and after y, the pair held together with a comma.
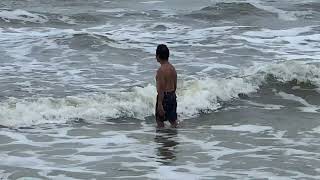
x: 170, y: 107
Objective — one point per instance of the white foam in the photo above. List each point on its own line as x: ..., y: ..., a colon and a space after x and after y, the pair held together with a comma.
x: 288, y: 44
x: 284, y: 15
x: 204, y: 95
x: 151, y: 2
x: 312, y: 109
x: 271, y: 33
x: 193, y: 97
x: 293, y: 98
x: 284, y: 72
x: 20, y: 138
x: 16, y: 43
x: 22, y: 15
x: 171, y: 173
x: 39, y: 164
x: 3, y: 175
x: 67, y: 20
x: 115, y: 139
x: 243, y: 128
x: 140, y: 36
x: 291, y: 152
x: 317, y: 129
x: 60, y: 176
x: 218, y: 66
x: 266, y: 106
x: 114, y: 10
x: 308, y: 107
x: 209, y: 66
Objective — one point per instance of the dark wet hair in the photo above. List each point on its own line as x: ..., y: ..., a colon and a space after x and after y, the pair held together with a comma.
x: 163, y: 52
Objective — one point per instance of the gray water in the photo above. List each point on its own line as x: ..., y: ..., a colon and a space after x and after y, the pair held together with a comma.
x: 77, y: 90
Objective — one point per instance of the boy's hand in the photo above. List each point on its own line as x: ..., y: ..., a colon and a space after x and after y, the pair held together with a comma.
x: 161, y: 111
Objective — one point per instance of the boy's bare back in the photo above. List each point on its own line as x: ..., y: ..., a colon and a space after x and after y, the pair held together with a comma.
x: 169, y: 75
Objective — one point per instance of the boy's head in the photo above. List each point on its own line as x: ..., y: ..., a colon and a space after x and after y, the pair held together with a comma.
x: 162, y: 53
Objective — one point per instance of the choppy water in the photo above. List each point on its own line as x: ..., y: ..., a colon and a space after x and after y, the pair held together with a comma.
x: 77, y: 89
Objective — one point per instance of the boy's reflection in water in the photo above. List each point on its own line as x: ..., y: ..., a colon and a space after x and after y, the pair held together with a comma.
x: 166, y: 140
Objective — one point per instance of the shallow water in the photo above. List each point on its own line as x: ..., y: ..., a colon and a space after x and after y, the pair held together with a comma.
x: 246, y: 143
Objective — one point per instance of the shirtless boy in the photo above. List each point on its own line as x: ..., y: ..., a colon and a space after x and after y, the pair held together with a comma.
x: 166, y: 106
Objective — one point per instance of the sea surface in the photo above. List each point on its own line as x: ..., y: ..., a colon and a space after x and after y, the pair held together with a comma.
x: 77, y: 89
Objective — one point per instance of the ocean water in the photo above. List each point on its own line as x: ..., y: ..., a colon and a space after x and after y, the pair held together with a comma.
x: 77, y: 89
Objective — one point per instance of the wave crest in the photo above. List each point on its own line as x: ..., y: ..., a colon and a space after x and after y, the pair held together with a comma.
x: 194, y: 97
x: 284, y: 72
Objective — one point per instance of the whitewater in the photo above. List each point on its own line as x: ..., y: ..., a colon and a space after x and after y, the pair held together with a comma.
x: 77, y: 89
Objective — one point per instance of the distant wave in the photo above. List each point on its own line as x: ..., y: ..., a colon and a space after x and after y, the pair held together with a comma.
x: 237, y: 10
x: 314, y: 6
x: 85, y: 40
x: 22, y: 15
x: 224, y: 11
x: 194, y: 97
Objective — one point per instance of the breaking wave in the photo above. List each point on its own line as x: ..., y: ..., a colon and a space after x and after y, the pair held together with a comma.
x: 194, y: 97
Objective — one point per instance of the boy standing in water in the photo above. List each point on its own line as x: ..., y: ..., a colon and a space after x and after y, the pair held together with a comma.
x: 166, y: 106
